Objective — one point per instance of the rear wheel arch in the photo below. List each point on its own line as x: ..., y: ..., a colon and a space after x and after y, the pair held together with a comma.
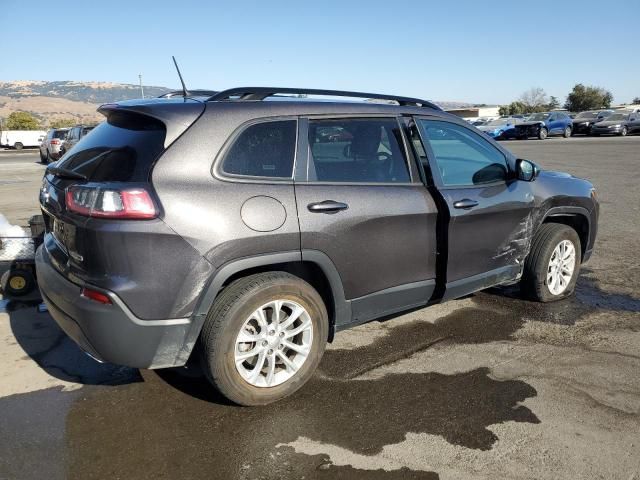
x: 312, y: 266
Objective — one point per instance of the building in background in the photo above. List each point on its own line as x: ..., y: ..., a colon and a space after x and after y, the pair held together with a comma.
x: 487, y: 112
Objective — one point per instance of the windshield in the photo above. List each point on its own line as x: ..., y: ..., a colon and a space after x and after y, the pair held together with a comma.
x: 500, y: 121
x: 587, y: 115
x: 617, y: 116
x: 536, y: 117
x: 122, y: 149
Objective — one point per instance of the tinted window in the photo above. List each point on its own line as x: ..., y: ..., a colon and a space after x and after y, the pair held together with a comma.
x: 265, y: 149
x: 463, y: 157
x: 121, y: 149
x: 60, y: 133
x: 356, y: 150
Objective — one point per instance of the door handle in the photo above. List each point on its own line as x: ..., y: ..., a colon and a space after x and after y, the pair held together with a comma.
x: 328, y: 206
x: 465, y: 203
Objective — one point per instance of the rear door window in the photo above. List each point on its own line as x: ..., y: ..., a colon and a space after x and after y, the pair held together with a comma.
x: 121, y: 149
x: 362, y: 150
x: 265, y: 149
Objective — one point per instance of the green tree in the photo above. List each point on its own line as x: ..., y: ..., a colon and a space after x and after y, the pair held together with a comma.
x: 513, y: 108
x: 553, y: 103
x: 21, y: 121
x: 584, y: 98
x: 636, y: 100
x: 62, y: 123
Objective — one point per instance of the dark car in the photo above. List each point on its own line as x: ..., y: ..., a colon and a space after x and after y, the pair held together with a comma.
x: 74, y: 135
x: 235, y: 226
x: 619, y: 123
x: 542, y: 125
x: 583, y: 121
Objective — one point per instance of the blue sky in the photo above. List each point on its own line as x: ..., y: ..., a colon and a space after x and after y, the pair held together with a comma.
x: 474, y: 51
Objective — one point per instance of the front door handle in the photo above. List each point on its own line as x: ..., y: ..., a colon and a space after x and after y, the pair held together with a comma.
x: 328, y: 206
x: 465, y: 203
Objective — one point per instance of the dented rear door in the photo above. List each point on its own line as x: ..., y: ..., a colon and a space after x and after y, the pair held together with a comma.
x: 490, y: 214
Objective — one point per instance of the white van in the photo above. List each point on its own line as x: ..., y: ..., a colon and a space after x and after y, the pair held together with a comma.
x: 19, y: 139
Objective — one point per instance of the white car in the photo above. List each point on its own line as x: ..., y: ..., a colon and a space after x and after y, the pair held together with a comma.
x: 19, y: 139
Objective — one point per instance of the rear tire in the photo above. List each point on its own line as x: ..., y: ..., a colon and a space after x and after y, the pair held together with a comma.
x: 624, y: 131
x: 43, y: 158
x: 235, y: 314
x: 539, y: 276
x: 567, y: 132
x: 18, y: 146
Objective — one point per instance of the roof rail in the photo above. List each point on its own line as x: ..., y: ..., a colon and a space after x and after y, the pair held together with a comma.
x: 260, y: 93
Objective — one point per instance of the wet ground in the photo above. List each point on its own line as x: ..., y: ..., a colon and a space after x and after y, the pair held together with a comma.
x: 490, y: 386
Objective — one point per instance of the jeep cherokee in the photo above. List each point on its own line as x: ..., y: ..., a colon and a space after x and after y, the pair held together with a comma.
x: 245, y: 229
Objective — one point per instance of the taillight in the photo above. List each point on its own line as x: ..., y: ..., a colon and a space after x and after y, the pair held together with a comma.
x: 105, y: 202
x: 55, y: 141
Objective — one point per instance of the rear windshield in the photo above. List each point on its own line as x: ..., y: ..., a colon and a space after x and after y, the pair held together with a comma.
x: 59, y: 133
x: 121, y: 149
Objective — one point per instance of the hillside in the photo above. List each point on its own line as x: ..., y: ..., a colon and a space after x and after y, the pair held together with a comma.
x: 66, y: 99
x: 79, y: 100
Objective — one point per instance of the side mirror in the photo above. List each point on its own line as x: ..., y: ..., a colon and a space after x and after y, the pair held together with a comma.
x: 526, y: 170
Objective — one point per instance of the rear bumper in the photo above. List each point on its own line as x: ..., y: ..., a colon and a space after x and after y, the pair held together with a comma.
x: 111, y: 333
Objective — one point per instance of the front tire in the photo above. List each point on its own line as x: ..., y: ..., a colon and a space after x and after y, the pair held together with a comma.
x: 263, y: 338
x: 543, y: 133
x: 624, y: 131
x: 551, y: 269
x: 18, y: 146
x: 567, y: 132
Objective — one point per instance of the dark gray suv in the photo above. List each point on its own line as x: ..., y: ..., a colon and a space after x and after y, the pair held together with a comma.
x: 245, y: 229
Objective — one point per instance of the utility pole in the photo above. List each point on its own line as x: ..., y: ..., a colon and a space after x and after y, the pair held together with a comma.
x: 141, y: 89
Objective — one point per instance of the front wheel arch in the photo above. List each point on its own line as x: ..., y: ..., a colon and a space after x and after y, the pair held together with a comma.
x: 578, y: 221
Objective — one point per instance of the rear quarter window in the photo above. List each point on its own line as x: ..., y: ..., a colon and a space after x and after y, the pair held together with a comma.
x: 265, y: 149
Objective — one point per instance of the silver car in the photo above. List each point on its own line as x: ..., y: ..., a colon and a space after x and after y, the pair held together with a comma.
x: 51, y: 143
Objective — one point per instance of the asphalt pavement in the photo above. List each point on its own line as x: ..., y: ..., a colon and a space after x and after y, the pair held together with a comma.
x: 489, y: 386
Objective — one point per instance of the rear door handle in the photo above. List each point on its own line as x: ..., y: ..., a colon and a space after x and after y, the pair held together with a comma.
x: 465, y: 203
x: 328, y: 206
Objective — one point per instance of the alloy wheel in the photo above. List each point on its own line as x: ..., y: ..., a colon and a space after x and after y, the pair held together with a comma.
x: 561, y: 267
x: 273, y: 343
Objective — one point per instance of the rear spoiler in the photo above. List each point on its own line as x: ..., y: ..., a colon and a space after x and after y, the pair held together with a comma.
x: 177, y: 116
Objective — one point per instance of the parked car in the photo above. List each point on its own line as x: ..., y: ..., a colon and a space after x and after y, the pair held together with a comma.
x: 618, y: 124
x: 583, y: 121
x: 177, y: 223
x: 500, y: 128
x: 51, y: 143
x: 479, y: 122
x: 19, y: 139
x: 541, y: 125
x: 74, y: 135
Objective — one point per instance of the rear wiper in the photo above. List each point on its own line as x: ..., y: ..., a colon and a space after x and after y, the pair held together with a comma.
x: 65, y: 173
